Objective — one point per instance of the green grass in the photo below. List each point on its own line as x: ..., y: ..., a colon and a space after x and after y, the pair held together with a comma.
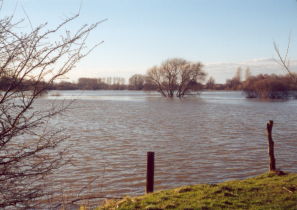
x: 267, y: 191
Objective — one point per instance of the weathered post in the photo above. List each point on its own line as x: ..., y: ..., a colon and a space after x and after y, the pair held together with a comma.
x: 272, y: 167
x: 150, y: 172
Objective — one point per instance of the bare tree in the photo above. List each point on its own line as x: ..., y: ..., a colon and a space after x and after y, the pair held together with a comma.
x: 176, y: 77
x: 284, y: 61
x: 238, y: 74
x: 235, y: 82
x: 247, y: 73
x: 210, y: 84
x: 28, y: 149
x: 136, y: 82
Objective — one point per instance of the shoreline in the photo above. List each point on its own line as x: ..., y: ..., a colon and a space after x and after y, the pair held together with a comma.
x: 266, y: 191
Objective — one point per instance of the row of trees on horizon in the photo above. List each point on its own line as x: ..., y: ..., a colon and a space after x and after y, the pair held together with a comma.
x: 177, y: 77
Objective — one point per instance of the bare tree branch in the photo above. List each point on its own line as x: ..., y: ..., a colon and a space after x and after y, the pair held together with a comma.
x: 176, y: 77
x: 283, y: 60
x: 29, y: 64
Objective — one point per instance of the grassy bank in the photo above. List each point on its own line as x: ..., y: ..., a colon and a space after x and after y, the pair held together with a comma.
x: 267, y: 191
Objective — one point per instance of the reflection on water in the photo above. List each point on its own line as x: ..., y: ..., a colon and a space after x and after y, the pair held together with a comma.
x: 200, y: 139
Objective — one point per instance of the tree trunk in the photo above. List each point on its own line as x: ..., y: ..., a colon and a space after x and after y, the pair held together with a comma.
x: 272, y: 167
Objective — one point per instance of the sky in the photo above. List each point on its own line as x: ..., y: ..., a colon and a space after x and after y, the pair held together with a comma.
x: 138, y: 34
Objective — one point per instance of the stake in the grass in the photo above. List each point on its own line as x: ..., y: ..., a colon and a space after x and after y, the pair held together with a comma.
x: 150, y: 172
x: 272, y: 167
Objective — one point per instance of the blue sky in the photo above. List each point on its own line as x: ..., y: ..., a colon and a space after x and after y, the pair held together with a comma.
x: 222, y: 34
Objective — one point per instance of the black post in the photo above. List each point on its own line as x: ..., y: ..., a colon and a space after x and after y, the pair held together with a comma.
x: 150, y: 172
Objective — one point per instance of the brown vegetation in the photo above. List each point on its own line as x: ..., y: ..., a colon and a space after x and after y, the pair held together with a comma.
x: 269, y: 86
x: 176, y: 77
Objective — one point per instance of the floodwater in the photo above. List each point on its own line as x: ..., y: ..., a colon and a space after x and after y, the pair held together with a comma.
x: 209, y: 138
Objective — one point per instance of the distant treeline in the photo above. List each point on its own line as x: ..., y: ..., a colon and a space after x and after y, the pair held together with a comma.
x: 109, y: 83
x: 259, y: 86
x: 136, y: 82
x: 20, y: 84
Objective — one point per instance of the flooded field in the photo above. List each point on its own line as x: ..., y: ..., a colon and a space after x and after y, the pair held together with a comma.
x: 209, y: 138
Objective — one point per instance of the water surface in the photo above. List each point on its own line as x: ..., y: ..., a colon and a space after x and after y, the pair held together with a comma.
x: 209, y: 138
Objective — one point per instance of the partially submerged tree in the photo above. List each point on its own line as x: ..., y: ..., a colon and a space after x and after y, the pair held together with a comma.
x: 28, y: 149
x: 210, y: 84
x: 176, y: 77
x: 269, y: 86
x: 136, y: 82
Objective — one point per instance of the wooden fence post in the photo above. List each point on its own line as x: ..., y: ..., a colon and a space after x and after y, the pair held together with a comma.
x: 272, y: 167
x: 150, y: 172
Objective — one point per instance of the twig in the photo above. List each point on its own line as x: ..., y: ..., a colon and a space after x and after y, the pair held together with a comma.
x: 288, y: 190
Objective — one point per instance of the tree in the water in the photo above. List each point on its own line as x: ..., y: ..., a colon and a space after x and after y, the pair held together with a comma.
x: 210, y: 84
x: 136, y: 82
x: 29, y: 64
x: 177, y: 77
